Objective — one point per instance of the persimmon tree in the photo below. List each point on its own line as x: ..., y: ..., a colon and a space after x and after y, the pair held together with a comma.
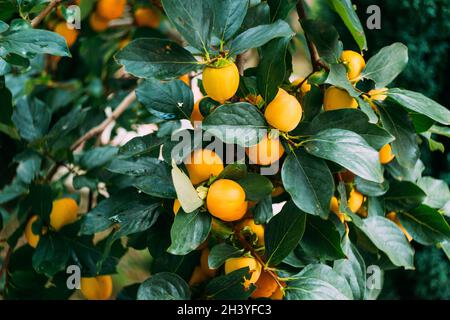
x: 267, y: 187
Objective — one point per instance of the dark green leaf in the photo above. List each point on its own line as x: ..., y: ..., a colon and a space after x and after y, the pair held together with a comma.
x: 283, y: 233
x: 263, y: 211
x: 256, y: 187
x: 234, y: 171
x: 220, y: 253
x: 370, y: 188
x: 272, y: 67
x: 403, y: 195
x: 228, y: 17
x: 321, y: 240
x: 256, y: 15
x: 51, y: 255
x: 166, y: 100
x: 156, y: 58
x: 141, y: 146
x: 32, y: 118
x: 417, y: 102
x: 280, y: 9
x: 349, y: 150
x: 259, y: 36
x: 229, y: 286
x: 387, y: 64
x: 438, y: 193
x: 325, y: 37
x: 98, y: 157
x: 240, y: 123
x: 309, y: 181
x: 318, y: 282
x: 344, y: 8
x: 189, y: 231
x: 164, y: 286
x: 29, y: 166
x: 338, y: 77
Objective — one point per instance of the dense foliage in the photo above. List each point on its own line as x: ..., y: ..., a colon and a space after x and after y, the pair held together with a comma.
x: 338, y: 151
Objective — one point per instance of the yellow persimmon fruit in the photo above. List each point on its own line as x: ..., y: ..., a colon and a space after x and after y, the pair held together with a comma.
x: 70, y: 35
x: 393, y: 217
x: 234, y: 264
x: 64, y: 212
x: 355, y: 200
x: 386, y: 154
x: 196, y: 115
x: 265, y: 286
x: 257, y: 229
x: 185, y: 78
x: 305, y: 88
x: 222, y: 83
x: 97, y: 288
x: 198, y: 276
x: 266, y: 152
x: 146, y: 17
x: 378, y: 94
x: 278, y: 294
x: 176, y: 206
x: 355, y: 64
x: 284, y: 112
x: 204, y: 263
x: 226, y: 200
x: 202, y: 164
x: 98, y: 23
x: 32, y: 238
x: 111, y: 9
x: 336, y: 98
x: 334, y: 207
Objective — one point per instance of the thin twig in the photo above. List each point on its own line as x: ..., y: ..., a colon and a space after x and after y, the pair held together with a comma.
x: 255, y: 254
x: 121, y: 108
x: 240, y: 63
x: 41, y: 16
x: 317, y: 63
x: 4, y: 269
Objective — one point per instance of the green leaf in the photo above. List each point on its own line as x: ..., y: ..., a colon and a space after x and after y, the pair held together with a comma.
x: 130, y: 211
x: 272, y: 67
x: 156, y: 58
x: 426, y: 225
x: 309, y: 181
x: 230, y: 286
x: 181, y: 265
x: 283, y: 233
x: 189, y: 231
x: 32, y: 118
x: 312, y: 104
x: 3, y: 26
x: 152, y: 176
x: 344, y: 8
x: 67, y: 123
x: 280, y: 9
x: 404, y: 147
x: 15, y: 189
x: 28, y: 167
x: 353, y: 269
x: 51, y: 255
x: 417, y: 102
x: 349, y: 150
x: 26, y: 42
x: 164, y: 286
x: 194, y: 20
x: 338, y: 77
x: 220, y: 253
x: 97, y: 157
x: 438, y: 193
x: 263, y: 211
x: 388, y: 237
x: 141, y: 146
x: 256, y: 15
x: 259, y: 36
x: 403, y: 173
x: 186, y: 193
x: 318, y: 282
x: 321, y: 240
x: 352, y: 120
x: 41, y: 200
x: 446, y: 248
x: 325, y: 37
x: 228, y: 17
x: 234, y: 171
x: 386, y: 65
x: 403, y: 195
x: 166, y: 100
x: 236, y: 123
x: 256, y: 187
x: 370, y: 188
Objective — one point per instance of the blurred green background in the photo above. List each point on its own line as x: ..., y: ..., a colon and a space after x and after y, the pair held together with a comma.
x: 424, y: 26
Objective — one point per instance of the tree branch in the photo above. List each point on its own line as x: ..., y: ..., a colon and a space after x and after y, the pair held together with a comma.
x: 4, y: 269
x: 126, y: 102
x: 317, y: 63
x: 41, y: 16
